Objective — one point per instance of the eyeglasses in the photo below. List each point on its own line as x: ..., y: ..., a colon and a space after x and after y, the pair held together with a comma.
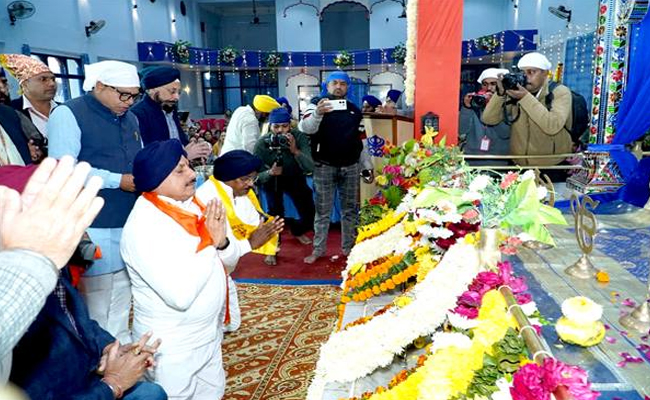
x: 125, y: 96
x: 249, y: 179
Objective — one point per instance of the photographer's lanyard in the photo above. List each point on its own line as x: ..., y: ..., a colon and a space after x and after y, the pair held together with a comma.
x: 240, y: 229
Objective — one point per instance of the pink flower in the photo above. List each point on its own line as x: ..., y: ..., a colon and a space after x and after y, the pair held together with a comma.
x: 470, y: 299
x: 470, y: 214
x: 509, y: 179
x: 467, y: 312
x: 489, y: 278
x: 527, y: 384
x: 523, y: 298
x: 397, y: 181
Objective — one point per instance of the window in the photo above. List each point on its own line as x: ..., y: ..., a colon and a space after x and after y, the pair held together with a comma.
x: 69, y: 74
x: 229, y: 90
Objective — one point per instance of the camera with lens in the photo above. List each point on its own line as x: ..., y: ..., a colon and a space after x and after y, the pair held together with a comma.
x: 511, y: 80
x: 277, y: 141
x: 479, y: 100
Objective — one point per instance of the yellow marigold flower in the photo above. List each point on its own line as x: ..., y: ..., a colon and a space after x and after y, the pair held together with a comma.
x: 471, y: 238
x: 402, y: 301
x: 381, y: 180
x: 383, y: 287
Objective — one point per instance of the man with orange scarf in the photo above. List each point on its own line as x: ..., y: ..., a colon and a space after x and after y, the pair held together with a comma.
x: 249, y: 229
x: 170, y: 245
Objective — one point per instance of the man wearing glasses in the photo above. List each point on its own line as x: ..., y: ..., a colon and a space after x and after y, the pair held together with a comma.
x: 99, y: 128
x: 248, y: 228
x: 157, y: 112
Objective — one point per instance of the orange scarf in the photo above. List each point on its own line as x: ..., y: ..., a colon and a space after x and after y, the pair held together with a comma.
x: 194, y: 225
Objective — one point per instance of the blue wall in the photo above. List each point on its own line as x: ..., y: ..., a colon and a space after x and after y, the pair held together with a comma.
x: 299, y: 30
x: 387, y: 33
x: 57, y: 27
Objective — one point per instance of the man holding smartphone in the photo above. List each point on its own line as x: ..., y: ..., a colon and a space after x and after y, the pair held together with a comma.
x: 339, y: 156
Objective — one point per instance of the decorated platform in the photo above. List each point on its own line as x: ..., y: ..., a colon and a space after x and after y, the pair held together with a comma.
x: 441, y: 300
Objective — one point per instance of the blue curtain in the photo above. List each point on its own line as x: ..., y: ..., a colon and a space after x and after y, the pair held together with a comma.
x: 633, y: 119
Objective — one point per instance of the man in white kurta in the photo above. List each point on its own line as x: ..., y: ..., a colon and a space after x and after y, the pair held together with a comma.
x: 244, y: 127
x: 178, y: 280
x: 233, y: 178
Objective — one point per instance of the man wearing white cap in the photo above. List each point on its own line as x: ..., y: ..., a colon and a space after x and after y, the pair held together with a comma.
x: 99, y: 128
x: 535, y: 128
x: 479, y: 138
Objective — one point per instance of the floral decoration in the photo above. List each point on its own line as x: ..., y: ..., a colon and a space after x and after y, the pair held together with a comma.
x: 399, y: 54
x: 273, y: 59
x: 181, y: 50
x: 228, y: 55
x: 343, y: 59
x: 538, y: 382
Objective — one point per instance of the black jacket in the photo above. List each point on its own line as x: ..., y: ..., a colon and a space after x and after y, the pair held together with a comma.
x: 10, y: 122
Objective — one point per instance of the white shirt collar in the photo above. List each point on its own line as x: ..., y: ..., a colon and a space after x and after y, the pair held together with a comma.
x: 28, y: 104
x: 187, y: 205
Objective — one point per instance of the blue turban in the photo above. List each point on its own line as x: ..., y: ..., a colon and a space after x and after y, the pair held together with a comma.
x: 279, y: 116
x: 394, y: 95
x: 153, y: 77
x: 2, y: 73
x: 372, y: 100
x: 285, y: 103
x: 340, y: 75
x: 154, y: 163
x: 235, y: 164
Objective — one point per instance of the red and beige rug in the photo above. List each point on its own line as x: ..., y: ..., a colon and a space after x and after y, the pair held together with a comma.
x: 274, y: 352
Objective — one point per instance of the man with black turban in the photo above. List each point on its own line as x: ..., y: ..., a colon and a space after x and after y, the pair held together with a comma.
x: 170, y: 245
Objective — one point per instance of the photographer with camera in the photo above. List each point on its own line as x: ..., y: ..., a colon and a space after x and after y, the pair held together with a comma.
x: 537, y: 128
x: 287, y: 157
x: 480, y: 138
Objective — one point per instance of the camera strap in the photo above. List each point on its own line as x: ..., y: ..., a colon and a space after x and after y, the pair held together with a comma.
x: 506, y: 117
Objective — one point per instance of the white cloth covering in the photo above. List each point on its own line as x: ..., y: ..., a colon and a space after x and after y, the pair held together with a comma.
x: 112, y: 73
x: 246, y: 211
x: 491, y: 73
x: 178, y: 295
x: 535, y: 60
x: 242, y: 132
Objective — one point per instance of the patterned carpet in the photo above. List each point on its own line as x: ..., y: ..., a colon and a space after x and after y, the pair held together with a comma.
x: 274, y: 352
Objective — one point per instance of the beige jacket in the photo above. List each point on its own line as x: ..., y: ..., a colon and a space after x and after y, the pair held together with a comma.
x: 537, y: 131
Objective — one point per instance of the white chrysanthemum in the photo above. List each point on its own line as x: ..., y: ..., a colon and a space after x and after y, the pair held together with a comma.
x: 447, y: 207
x: 504, y: 390
x: 479, y: 183
x: 529, y: 308
x: 443, y: 233
x: 581, y: 310
x: 443, y: 340
x: 461, y: 322
x: 542, y: 192
x: 529, y: 174
x: 454, y: 218
x: 471, y: 196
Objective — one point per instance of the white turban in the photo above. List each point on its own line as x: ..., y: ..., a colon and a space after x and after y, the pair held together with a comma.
x: 113, y: 73
x: 491, y: 73
x: 535, y: 60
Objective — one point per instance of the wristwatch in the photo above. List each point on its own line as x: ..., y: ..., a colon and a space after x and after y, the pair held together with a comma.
x: 225, y: 246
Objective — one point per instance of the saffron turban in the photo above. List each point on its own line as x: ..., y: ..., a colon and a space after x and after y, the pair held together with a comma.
x: 23, y: 67
x: 264, y: 103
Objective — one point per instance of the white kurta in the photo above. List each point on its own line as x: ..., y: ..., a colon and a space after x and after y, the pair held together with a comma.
x: 246, y: 211
x: 178, y: 295
x: 243, y: 131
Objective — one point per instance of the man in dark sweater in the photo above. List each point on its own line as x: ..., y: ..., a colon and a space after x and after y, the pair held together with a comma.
x: 339, y: 157
x: 157, y: 112
x: 99, y: 128
x: 287, y: 159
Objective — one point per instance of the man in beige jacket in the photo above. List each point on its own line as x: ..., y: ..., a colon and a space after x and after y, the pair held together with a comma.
x: 535, y: 129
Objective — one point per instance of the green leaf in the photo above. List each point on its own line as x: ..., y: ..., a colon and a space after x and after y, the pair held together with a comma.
x: 430, y: 196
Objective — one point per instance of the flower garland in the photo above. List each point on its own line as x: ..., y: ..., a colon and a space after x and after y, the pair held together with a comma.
x: 411, y: 44
x: 228, y: 55
x: 538, y: 382
x: 349, y: 355
x: 379, y: 227
x: 273, y: 59
x: 399, y: 54
x: 343, y: 59
x: 182, y: 51
x: 373, y: 249
x: 380, y: 278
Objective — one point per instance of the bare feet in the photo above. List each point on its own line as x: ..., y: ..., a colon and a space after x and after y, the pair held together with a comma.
x: 270, y: 260
x: 310, y: 259
x: 303, y: 239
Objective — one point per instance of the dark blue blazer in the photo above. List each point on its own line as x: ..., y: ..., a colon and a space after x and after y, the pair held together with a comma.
x: 10, y: 122
x: 153, y: 126
x: 53, y: 362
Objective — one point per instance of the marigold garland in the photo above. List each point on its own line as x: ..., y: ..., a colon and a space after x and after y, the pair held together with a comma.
x: 377, y: 228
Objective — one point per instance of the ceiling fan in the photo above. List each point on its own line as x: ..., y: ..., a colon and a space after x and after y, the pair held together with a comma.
x: 256, y: 19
